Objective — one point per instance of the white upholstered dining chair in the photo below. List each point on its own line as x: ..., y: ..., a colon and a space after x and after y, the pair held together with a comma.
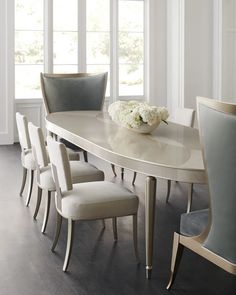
x: 185, y: 117
x: 80, y: 171
x: 211, y: 233
x: 86, y: 201
x: 27, y: 159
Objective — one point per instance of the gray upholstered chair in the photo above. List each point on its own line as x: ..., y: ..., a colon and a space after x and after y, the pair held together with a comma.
x: 27, y: 159
x: 73, y: 92
x: 80, y: 171
x: 87, y: 201
x: 211, y: 233
x: 185, y: 117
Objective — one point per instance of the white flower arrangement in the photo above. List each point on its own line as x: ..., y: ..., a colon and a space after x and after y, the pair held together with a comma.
x: 134, y: 114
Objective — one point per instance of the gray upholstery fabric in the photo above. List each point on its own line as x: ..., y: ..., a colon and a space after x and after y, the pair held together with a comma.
x: 74, y: 93
x: 193, y: 223
x: 73, y: 156
x: 95, y: 200
x: 219, y: 140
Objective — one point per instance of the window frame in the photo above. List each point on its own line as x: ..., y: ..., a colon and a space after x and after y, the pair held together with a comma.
x: 81, y: 48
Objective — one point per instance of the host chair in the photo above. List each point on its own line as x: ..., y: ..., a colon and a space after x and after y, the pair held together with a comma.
x: 73, y: 92
x: 211, y: 233
x: 27, y: 159
x: 87, y: 201
x: 80, y: 171
x: 185, y: 117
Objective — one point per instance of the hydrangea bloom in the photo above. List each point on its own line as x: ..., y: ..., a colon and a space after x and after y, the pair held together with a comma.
x: 133, y: 114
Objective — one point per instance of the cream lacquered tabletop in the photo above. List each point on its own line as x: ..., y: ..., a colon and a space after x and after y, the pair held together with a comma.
x: 171, y: 151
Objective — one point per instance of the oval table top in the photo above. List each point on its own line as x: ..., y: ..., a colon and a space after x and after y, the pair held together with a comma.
x: 171, y: 151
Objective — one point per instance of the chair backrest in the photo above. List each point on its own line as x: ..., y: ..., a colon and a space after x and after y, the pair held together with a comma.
x: 38, y: 145
x: 73, y: 92
x: 217, y: 127
x: 183, y: 116
x: 22, y: 127
x: 59, y: 159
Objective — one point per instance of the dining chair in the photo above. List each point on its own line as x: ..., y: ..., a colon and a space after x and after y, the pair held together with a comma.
x: 87, y: 201
x: 80, y: 171
x: 185, y: 117
x: 211, y: 233
x: 73, y: 92
x: 27, y: 159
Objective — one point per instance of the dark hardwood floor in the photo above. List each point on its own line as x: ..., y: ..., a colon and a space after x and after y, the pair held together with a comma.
x: 98, y: 266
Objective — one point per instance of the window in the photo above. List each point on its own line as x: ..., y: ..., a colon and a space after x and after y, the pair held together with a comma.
x: 80, y: 35
x: 29, y: 59
x: 131, y: 48
x: 65, y: 36
x: 98, y: 37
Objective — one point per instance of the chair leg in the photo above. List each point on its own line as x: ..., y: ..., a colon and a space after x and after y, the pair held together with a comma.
x: 122, y: 173
x: 114, y: 226
x: 113, y: 169
x: 39, y: 197
x: 46, y: 212
x: 69, y: 244
x: 24, y: 175
x: 57, y: 232
x: 134, y: 178
x: 135, y: 236
x: 177, y: 252
x: 85, y: 153
x: 190, y: 197
x: 31, y: 181
x: 168, y: 190
x: 103, y: 223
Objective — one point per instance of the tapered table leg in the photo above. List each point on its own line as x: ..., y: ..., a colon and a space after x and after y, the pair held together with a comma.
x: 150, y: 202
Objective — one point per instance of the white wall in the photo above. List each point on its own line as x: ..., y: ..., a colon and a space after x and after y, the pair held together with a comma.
x: 189, y: 52
x: 229, y: 49
x: 6, y: 69
x: 198, y: 50
x: 157, y: 52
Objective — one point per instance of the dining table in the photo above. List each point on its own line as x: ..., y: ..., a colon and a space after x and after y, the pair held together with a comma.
x: 171, y: 151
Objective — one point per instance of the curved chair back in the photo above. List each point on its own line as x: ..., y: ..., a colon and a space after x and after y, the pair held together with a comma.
x: 59, y: 159
x: 217, y: 126
x: 22, y: 127
x: 38, y: 144
x: 184, y: 116
x: 71, y: 92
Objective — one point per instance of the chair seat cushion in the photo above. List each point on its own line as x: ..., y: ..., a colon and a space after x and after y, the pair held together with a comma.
x: 27, y: 160
x: 71, y: 145
x: 46, y: 180
x: 85, y: 172
x: 97, y: 200
x: 73, y: 156
x: 193, y: 223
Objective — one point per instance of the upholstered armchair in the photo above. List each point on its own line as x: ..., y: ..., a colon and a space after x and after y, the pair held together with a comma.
x: 73, y: 92
x: 211, y: 233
